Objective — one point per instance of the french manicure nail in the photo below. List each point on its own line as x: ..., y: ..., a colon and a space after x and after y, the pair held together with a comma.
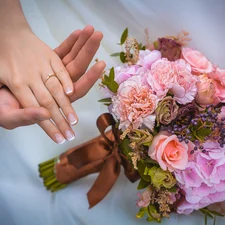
x: 68, y: 90
x: 59, y: 138
x: 72, y: 119
x: 69, y: 135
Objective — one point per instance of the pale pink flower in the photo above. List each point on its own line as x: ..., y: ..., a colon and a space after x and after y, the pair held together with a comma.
x: 122, y: 73
x: 134, y: 103
x: 145, y: 197
x: 169, y: 152
x: 162, y: 77
x: 147, y: 57
x: 220, y: 91
x: 184, y: 87
x: 198, y: 62
x: 206, y: 91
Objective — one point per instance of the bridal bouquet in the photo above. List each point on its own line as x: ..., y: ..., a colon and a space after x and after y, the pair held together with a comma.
x: 169, y: 103
x: 167, y: 112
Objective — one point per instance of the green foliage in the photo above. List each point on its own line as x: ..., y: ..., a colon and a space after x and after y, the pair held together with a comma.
x: 122, y: 57
x: 125, y: 148
x: 124, y: 36
x: 142, y: 184
x: 109, y: 82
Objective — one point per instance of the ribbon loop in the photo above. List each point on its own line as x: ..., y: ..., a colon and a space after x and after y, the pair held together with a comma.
x: 102, y: 155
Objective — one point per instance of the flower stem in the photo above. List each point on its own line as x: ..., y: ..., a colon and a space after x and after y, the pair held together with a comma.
x: 47, y: 173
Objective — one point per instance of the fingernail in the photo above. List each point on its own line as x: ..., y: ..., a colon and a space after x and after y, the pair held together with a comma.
x: 59, y: 138
x: 72, y: 119
x: 69, y: 135
x: 68, y: 90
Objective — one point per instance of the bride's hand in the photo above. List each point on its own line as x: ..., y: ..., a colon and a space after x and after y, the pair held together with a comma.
x: 76, y: 61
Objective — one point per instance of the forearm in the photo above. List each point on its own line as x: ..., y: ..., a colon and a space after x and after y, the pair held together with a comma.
x: 12, y: 19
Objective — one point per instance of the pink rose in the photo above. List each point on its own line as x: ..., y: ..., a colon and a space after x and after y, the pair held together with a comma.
x: 134, y: 104
x: 147, y: 57
x: 206, y: 91
x: 218, y: 75
x: 169, y: 152
x: 198, y: 62
x: 220, y: 91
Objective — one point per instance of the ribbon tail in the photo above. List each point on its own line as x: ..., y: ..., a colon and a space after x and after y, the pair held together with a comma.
x: 104, y: 182
x: 129, y: 171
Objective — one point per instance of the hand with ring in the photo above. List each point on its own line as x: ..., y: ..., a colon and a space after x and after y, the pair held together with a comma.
x: 36, y: 75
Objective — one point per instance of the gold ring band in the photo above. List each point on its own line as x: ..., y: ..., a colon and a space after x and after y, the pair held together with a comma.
x: 49, y: 76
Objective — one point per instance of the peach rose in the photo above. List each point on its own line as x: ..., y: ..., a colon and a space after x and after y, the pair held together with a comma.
x: 169, y: 152
x: 198, y: 62
x: 206, y: 93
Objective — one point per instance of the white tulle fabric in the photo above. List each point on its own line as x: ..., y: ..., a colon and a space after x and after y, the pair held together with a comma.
x: 23, y: 199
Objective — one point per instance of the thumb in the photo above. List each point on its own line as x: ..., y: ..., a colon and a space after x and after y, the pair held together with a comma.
x: 22, y: 117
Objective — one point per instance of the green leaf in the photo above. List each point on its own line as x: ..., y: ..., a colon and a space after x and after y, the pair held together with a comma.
x: 124, y: 36
x: 172, y: 190
x: 106, y: 78
x: 115, y: 54
x: 112, y: 74
x: 107, y: 104
x: 142, y: 184
x: 125, y: 148
x: 108, y: 100
x: 141, y: 169
x: 122, y: 57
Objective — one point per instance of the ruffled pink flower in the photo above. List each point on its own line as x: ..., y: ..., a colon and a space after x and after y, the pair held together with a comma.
x: 169, y: 152
x: 218, y: 74
x: 203, y: 181
x: 134, y: 104
x: 147, y: 57
x: 162, y: 77
x: 184, y: 88
x: 198, y: 62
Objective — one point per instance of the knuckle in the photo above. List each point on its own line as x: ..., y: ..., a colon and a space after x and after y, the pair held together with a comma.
x: 16, y: 83
x: 54, y: 87
x: 47, y: 102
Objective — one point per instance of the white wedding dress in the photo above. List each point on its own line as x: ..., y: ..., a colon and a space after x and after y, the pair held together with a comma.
x: 23, y: 199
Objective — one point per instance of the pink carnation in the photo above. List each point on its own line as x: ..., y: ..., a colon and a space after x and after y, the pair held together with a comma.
x: 134, y: 104
x: 162, y: 77
x: 174, y: 77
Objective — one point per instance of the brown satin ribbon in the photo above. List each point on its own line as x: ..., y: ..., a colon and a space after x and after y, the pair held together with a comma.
x: 101, y: 154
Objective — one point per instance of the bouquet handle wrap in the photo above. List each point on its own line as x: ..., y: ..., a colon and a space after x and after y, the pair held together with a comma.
x: 101, y: 154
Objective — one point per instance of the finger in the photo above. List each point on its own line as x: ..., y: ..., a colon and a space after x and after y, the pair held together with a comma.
x: 23, y: 117
x: 45, y: 97
x: 27, y: 99
x: 84, y: 36
x: 62, y: 75
x: 64, y: 48
x: 79, y: 65
x: 84, y: 84
x: 62, y: 100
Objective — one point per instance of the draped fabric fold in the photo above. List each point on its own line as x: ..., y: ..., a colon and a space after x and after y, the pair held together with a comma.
x: 101, y: 154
